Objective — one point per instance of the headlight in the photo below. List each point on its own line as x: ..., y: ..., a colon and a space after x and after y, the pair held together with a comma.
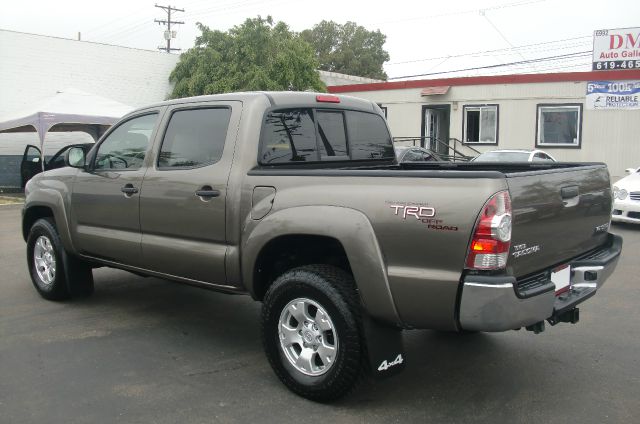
x: 622, y: 194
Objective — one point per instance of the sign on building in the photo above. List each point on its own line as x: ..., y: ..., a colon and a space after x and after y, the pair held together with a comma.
x: 616, y: 49
x: 613, y: 95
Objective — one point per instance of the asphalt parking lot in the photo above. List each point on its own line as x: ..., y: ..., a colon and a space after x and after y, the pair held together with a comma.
x: 145, y: 350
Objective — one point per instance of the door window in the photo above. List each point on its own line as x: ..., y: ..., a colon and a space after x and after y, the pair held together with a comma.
x: 31, y: 154
x: 194, y: 137
x: 126, y: 146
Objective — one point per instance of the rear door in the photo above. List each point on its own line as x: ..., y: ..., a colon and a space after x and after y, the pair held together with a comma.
x: 557, y: 215
x: 183, y: 201
x: 31, y: 163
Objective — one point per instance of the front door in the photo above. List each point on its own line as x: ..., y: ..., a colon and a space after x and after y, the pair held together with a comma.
x: 436, y: 128
x: 31, y: 163
x: 183, y: 200
x: 106, y: 197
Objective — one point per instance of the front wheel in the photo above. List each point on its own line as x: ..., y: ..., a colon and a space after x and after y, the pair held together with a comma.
x: 55, y: 274
x: 311, y: 331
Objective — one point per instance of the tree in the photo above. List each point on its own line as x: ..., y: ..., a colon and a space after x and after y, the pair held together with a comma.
x: 257, y: 55
x: 349, y: 48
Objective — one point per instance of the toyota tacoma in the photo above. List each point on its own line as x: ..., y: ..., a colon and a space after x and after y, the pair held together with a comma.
x: 297, y: 200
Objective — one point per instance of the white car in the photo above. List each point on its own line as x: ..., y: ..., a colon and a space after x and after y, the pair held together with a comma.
x: 515, y: 156
x: 626, y: 199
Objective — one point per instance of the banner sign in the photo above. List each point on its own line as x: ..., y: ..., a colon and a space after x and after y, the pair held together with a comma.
x: 616, y: 49
x: 613, y: 95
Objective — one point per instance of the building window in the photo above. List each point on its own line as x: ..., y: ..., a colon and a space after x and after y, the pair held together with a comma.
x: 480, y: 124
x: 559, y: 125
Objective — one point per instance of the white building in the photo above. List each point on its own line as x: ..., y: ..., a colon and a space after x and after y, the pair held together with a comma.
x: 545, y: 111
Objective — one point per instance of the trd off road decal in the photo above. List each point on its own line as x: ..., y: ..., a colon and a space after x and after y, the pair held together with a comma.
x: 421, y: 212
x: 523, y: 250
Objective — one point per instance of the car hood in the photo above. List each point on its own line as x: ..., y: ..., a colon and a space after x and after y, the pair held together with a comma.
x: 629, y: 183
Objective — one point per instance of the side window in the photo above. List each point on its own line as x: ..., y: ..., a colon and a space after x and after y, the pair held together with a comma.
x: 126, y: 146
x: 481, y: 124
x: 289, y: 136
x: 194, y: 137
x: 368, y: 136
x: 559, y: 125
x: 331, y: 135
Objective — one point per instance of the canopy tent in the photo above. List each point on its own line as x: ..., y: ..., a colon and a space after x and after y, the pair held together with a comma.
x: 67, y: 110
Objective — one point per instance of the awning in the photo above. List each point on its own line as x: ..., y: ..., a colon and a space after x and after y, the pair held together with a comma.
x: 432, y: 91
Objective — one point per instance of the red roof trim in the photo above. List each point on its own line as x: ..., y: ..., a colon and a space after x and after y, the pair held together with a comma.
x: 494, y: 79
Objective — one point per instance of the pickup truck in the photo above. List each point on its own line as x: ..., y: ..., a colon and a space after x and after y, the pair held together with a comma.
x: 297, y: 200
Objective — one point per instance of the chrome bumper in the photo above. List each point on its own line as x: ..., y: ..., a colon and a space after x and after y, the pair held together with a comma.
x: 491, y: 303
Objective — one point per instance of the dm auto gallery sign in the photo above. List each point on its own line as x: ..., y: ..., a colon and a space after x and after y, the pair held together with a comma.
x: 613, y: 95
x: 616, y: 49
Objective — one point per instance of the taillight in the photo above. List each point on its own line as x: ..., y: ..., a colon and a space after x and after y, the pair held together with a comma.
x: 489, y: 248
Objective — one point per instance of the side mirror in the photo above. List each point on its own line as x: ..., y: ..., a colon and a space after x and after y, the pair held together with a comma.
x: 630, y: 170
x: 75, y: 157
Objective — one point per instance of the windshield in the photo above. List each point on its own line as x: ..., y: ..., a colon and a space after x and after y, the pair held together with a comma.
x: 503, y: 157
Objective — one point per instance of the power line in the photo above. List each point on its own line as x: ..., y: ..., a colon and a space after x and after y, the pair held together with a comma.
x: 542, y: 59
x: 486, y: 51
x: 108, y: 23
x: 168, y: 34
x: 461, y: 12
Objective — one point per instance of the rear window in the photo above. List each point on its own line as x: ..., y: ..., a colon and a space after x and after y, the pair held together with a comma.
x: 368, y: 137
x: 311, y: 135
x: 289, y: 136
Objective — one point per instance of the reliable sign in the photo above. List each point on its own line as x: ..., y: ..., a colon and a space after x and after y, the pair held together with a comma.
x: 616, y: 49
x: 613, y: 95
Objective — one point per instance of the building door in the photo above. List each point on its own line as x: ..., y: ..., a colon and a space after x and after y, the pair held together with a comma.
x: 435, y: 127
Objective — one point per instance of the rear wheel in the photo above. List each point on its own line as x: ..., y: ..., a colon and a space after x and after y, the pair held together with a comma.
x: 55, y: 274
x: 311, y: 331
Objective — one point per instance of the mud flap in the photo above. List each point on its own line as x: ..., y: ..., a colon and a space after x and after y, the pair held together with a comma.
x: 384, y: 348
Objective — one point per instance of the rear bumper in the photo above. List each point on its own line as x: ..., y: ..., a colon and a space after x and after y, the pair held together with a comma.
x: 499, y: 303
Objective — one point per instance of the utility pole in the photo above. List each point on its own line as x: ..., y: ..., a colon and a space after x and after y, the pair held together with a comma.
x: 168, y: 34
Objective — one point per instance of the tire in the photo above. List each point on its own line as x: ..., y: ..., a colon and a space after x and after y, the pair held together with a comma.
x: 55, y: 274
x: 318, y: 290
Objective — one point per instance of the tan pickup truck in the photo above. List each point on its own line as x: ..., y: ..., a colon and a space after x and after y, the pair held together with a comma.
x: 297, y: 200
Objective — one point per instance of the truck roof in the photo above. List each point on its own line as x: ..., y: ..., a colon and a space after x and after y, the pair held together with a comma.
x: 278, y: 98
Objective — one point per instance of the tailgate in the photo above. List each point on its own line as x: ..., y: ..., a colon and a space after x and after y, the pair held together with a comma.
x: 557, y: 215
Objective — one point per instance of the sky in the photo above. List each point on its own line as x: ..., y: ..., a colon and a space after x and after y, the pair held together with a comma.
x: 426, y: 38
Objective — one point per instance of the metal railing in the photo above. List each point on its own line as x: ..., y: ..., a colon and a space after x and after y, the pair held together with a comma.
x: 436, y: 145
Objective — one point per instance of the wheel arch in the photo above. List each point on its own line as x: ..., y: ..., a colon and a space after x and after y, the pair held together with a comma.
x: 344, y: 236
x: 47, y: 203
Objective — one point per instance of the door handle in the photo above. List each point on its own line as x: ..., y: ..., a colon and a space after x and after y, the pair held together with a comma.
x: 207, y: 192
x: 569, y: 192
x: 129, y: 189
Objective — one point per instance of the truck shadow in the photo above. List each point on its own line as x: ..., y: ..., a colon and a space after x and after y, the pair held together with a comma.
x: 441, y: 366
